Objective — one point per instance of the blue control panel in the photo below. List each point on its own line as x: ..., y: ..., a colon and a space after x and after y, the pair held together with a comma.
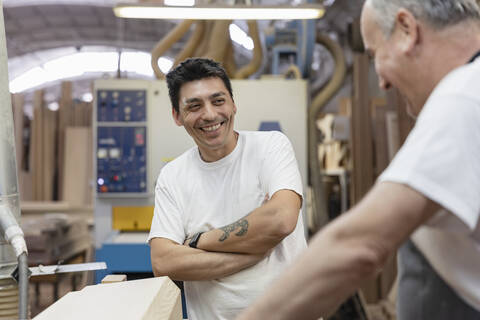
x: 121, y: 141
x: 121, y: 159
x: 121, y: 105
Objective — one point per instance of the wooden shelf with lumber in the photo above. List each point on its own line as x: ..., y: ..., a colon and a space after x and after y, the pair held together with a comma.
x: 53, y: 206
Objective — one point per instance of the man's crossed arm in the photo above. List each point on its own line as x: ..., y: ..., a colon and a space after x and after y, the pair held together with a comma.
x: 232, y: 248
x: 260, y: 230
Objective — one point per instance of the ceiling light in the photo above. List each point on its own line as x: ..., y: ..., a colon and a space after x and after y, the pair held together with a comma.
x: 183, y: 3
x: 145, y: 10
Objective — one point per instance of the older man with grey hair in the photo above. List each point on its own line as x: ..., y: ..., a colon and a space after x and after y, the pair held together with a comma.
x: 427, y: 202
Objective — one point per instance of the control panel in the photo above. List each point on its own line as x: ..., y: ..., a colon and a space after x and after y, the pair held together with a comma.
x: 121, y: 142
x: 121, y: 105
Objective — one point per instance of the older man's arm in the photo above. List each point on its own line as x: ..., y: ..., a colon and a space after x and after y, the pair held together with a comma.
x: 344, y: 254
x: 260, y: 230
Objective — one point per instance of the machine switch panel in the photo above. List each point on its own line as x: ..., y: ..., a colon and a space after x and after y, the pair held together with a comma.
x: 121, y: 105
x: 121, y: 159
x: 121, y: 141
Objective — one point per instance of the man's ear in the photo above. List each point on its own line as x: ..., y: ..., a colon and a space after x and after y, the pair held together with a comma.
x: 408, y: 30
x: 176, y: 117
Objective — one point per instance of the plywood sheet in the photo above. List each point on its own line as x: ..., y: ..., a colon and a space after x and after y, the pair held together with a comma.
x: 393, y: 139
x: 146, y: 299
x: 24, y: 178
x: 17, y: 103
x: 379, y: 109
x: 78, y: 173
x: 49, y: 143
x: 36, y: 145
x: 26, y: 186
x: 405, y: 121
x: 64, y: 111
x: 362, y: 141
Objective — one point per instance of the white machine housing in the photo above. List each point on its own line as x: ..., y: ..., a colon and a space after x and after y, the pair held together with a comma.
x: 279, y: 101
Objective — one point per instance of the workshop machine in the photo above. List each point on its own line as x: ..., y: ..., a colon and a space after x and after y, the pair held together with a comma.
x: 135, y: 136
x: 292, y: 44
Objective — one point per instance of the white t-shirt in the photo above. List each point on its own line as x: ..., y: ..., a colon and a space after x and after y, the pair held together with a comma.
x: 441, y: 160
x: 192, y: 196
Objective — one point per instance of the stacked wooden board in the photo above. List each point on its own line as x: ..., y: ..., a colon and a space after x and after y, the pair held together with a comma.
x: 54, y: 149
x: 379, y: 126
x: 54, y: 238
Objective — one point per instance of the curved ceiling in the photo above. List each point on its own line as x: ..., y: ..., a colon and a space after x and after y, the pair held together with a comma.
x: 34, y: 27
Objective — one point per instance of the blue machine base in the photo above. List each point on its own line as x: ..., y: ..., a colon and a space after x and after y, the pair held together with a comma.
x: 123, y: 258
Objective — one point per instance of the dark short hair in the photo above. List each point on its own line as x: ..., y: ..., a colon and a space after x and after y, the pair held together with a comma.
x: 194, y: 69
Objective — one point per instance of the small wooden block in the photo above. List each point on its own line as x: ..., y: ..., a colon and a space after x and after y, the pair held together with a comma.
x: 112, y: 278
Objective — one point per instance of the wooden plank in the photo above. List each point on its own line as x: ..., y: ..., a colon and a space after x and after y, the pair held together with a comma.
x: 345, y: 106
x: 379, y: 106
x: 112, y: 278
x: 146, y: 299
x: 17, y: 104
x: 49, y: 154
x: 32, y: 207
x: 88, y: 114
x: 78, y: 157
x: 393, y: 139
x: 405, y: 121
x: 36, y: 145
x: 24, y: 177
x: 88, y: 122
x: 362, y: 142
x: 362, y: 148
x: 85, y: 114
x: 78, y: 114
x: 26, y: 185
x: 63, y: 121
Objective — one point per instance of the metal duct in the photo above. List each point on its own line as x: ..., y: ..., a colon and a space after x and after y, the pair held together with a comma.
x: 9, y: 196
x: 165, y: 44
x: 256, y: 61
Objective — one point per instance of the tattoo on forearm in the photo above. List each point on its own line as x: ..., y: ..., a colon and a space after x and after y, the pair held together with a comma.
x: 242, y: 224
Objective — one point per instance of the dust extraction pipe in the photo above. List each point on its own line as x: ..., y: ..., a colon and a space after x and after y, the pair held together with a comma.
x: 256, y: 61
x: 9, y: 196
x: 192, y: 43
x: 335, y: 83
x: 165, y: 44
x: 218, y: 40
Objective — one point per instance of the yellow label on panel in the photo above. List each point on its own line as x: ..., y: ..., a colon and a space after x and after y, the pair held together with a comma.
x: 132, y: 218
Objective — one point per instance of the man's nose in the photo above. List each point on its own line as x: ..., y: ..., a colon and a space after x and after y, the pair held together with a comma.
x: 209, y: 111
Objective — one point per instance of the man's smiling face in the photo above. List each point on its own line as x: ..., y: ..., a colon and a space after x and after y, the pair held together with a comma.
x: 207, y: 112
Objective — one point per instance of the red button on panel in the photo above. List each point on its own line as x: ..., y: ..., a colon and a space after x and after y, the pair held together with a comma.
x: 104, y: 189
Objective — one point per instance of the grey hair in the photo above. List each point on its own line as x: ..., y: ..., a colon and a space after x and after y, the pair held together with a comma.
x: 437, y: 13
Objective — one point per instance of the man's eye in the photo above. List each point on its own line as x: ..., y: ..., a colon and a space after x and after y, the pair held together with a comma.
x: 193, y: 106
x: 218, y: 101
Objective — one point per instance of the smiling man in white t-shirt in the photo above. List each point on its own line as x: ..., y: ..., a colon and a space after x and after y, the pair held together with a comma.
x: 226, y: 218
x: 429, y: 50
